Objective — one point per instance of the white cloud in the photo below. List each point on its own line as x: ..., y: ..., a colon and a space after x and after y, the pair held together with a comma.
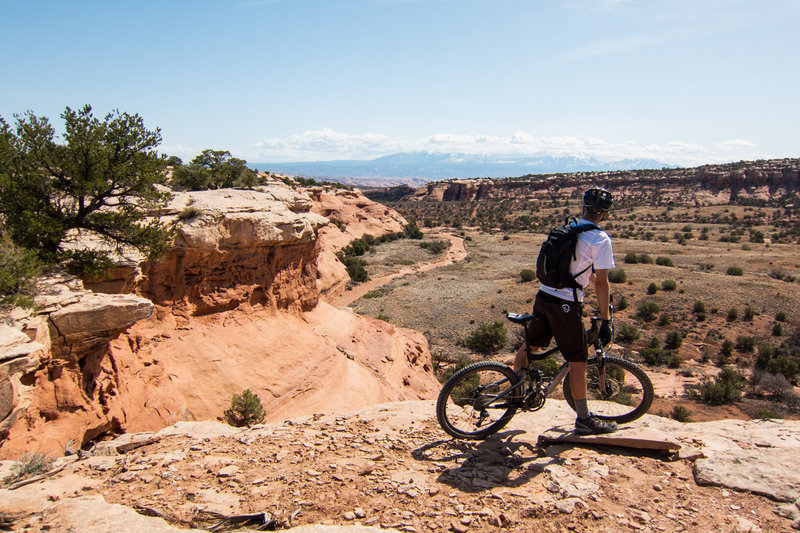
x: 327, y: 144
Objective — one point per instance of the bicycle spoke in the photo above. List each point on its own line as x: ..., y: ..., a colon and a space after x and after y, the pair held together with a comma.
x: 476, y: 401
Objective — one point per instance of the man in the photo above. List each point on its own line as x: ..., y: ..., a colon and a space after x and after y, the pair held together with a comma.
x: 559, y: 311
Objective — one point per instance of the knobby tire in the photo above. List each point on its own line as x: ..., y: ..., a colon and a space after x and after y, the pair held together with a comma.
x: 476, y: 401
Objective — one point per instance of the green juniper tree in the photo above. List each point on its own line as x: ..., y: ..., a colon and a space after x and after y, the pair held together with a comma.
x: 99, y: 180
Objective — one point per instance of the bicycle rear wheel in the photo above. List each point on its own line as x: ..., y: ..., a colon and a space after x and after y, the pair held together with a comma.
x: 477, y: 401
x: 620, y: 392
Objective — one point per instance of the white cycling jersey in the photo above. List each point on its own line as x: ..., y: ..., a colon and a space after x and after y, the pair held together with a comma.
x: 593, y: 252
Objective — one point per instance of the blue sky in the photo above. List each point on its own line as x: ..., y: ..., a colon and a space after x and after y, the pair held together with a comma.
x: 682, y: 81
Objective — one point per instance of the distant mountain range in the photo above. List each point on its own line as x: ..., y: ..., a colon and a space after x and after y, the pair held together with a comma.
x: 415, y: 168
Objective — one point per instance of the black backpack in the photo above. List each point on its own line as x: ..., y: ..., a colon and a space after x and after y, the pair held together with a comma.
x: 558, y: 252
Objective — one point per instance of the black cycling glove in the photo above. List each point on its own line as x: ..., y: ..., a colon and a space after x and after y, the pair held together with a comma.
x: 606, y: 332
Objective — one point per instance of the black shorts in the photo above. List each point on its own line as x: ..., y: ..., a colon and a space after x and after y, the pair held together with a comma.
x: 563, y: 320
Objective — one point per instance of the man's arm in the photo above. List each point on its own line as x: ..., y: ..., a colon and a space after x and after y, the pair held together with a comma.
x: 603, y: 292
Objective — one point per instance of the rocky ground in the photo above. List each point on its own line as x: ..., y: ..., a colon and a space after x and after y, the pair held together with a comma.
x: 391, y: 467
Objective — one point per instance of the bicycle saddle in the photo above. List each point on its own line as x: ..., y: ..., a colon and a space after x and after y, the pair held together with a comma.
x: 520, y: 318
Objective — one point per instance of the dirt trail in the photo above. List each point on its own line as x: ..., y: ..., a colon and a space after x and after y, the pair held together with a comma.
x: 456, y: 252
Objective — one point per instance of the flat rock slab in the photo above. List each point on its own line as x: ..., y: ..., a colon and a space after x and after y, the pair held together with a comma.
x: 635, y: 438
x: 768, y: 472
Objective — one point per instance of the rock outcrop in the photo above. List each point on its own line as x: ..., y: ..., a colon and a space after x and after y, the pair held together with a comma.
x: 352, y: 215
x: 389, y: 466
x: 234, y: 305
x: 54, y: 364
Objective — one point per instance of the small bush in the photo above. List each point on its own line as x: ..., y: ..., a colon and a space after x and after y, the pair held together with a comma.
x: 780, y: 316
x: 733, y: 314
x: 617, y: 275
x: 626, y: 333
x: 645, y: 259
x: 488, y: 338
x: 526, y: 275
x: 664, y: 261
x: 245, y: 410
x: 652, y: 289
x: 749, y: 313
x: 18, y: 270
x: 745, y: 343
x: 766, y: 414
x: 681, y: 414
x: 356, y: 268
x: 647, y: 310
x: 669, y: 285
x: 674, y: 340
x: 631, y: 258
x: 435, y: 247
x: 29, y: 465
x: 664, y: 319
x: 699, y: 307
x: 777, y: 330
x: 735, y: 271
x: 412, y: 231
x: 725, y: 389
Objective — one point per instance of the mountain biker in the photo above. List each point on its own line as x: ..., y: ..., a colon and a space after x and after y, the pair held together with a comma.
x: 559, y: 311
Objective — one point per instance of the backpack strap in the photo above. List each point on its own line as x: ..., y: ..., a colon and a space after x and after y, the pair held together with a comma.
x: 580, y: 228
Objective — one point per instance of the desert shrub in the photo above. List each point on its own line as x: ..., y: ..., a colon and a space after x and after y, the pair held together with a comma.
x: 412, y: 231
x: 766, y: 413
x: 189, y: 212
x: 621, y: 303
x: 29, y: 465
x: 699, y: 307
x: 435, y: 247
x: 18, y: 270
x: 664, y: 261
x: 733, y: 314
x: 681, y: 414
x: 674, y: 340
x: 631, y: 258
x: 245, y: 410
x: 617, y: 275
x: 526, y: 275
x: 647, y: 310
x: 488, y: 337
x: 655, y: 355
x: 664, y: 319
x: 777, y: 329
x: 749, y: 313
x: 780, y: 316
x: 652, y: 289
x: 356, y: 268
x: 775, y: 386
x: 745, y: 343
x: 669, y: 285
x: 706, y: 266
x: 778, y: 363
x: 626, y: 333
x: 725, y: 389
x: 645, y: 259
x: 735, y: 271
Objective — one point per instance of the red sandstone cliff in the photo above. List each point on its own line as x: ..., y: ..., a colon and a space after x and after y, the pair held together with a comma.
x: 235, y: 305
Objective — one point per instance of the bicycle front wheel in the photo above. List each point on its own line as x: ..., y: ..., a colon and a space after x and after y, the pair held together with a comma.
x: 477, y: 401
x: 619, y: 391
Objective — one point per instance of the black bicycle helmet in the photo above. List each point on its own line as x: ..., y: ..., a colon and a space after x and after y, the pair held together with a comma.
x: 597, y: 199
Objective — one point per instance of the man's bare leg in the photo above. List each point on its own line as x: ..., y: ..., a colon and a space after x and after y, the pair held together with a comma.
x: 521, y: 359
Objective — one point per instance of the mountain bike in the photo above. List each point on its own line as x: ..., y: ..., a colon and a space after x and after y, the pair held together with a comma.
x: 481, y: 398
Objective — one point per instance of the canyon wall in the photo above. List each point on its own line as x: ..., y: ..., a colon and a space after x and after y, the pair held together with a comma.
x: 235, y: 304
x: 709, y: 184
